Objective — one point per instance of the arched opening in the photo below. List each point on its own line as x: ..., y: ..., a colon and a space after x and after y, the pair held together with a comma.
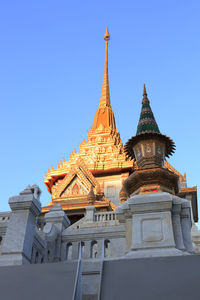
x: 107, y: 248
x: 69, y: 251
x: 94, y: 249
x: 82, y: 248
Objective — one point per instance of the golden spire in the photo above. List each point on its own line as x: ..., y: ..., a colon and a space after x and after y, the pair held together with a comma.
x: 104, y: 115
x: 105, y: 94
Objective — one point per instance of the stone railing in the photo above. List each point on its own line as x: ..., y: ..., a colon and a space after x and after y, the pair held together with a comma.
x: 105, y: 216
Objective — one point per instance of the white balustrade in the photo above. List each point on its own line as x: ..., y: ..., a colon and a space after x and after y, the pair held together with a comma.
x: 105, y: 216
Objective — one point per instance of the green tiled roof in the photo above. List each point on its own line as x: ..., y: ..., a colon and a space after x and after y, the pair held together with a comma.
x: 147, y: 122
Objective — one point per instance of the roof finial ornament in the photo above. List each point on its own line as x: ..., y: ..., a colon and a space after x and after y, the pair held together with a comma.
x: 145, y: 99
x: 107, y: 35
x: 105, y: 94
x: 144, y: 91
x: 104, y: 116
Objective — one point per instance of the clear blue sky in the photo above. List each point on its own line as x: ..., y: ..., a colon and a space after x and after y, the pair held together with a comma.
x: 51, y: 71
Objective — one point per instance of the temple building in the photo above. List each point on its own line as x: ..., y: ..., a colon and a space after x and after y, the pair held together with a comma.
x: 118, y: 216
x: 96, y: 172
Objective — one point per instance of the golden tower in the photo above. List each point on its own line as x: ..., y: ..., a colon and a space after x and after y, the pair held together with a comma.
x: 100, y: 163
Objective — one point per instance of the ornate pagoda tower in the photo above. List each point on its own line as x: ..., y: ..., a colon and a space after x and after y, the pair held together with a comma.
x: 100, y: 164
x: 149, y: 148
x: 95, y: 174
x: 152, y: 173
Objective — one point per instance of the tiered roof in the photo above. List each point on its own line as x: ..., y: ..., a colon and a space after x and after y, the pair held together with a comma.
x: 102, y: 153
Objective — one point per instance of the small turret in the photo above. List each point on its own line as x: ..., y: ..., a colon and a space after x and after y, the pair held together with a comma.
x: 148, y: 147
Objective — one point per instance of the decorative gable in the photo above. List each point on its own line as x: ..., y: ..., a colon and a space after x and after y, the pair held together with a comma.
x: 75, y: 188
x: 76, y: 183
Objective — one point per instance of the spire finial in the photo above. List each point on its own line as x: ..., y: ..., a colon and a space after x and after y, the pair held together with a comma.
x: 105, y: 95
x: 145, y: 99
x: 107, y: 35
x: 144, y: 91
x: 105, y: 117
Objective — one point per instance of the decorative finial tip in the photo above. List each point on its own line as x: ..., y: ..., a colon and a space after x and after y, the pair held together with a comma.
x: 144, y: 91
x: 106, y: 35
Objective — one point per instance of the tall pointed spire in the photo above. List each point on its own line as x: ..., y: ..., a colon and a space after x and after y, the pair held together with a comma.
x: 104, y: 116
x: 105, y: 94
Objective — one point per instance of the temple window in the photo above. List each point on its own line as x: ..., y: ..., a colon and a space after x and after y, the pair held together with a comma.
x: 94, y: 249
x: 69, y: 251
x: 82, y: 248
x: 106, y: 248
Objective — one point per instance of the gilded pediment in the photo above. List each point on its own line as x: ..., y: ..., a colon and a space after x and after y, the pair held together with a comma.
x: 74, y: 188
x: 76, y: 183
